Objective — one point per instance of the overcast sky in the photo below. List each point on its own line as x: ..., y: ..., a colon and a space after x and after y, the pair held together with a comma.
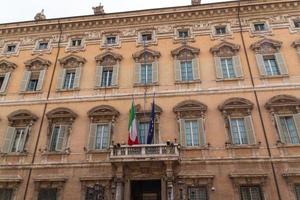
x: 23, y: 10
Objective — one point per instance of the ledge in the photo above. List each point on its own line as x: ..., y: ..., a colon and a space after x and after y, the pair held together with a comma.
x: 147, y: 85
x: 196, y: 176
x: 243, y: 146
x: 248, y: 175
x: 108, y: 87
x: 8, y: 178
x: 187, y: 82
x: 283, y: 145
x: 31, y: 92
x: 68, y: 90
x: 50, y: 179
x: 95, y: 178
x: 230, y: 79
x: 103, y: 151
x: 14, y: 154
x: 274, y: 77
x: 48, y: 153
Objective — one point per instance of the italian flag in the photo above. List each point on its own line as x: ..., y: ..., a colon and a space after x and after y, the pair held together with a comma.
x: 132, y: 127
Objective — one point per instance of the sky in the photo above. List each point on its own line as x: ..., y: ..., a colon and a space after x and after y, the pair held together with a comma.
x: 24, y: 10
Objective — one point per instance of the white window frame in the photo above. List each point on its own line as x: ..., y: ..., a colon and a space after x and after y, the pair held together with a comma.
x: 23, y: 132
x: 270, y: 66
x: 102, y: 135
x: 227, y: 67
x: 288, y: 132
x: 17, y: 48
x: 238, y: 131
x: 72, y: 71
x: 192, y: 132
x: 110, y: 73
x: 186, y: 71
x: 147, y: 66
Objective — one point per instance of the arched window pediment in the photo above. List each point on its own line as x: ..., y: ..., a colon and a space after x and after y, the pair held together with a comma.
x: 24, y: 117
x: 61, y: 114
x: 139, y: 109
x: 108, y: 58
x: 6, y: 66
x: 185, y: 52
x: 238, y: 105
x: 225, y: 49
x: 266, y: 46
x: 72, y: 61
x: 146, y: 54
x: 190, y: 108
x: 37, y: 63
x: 103, y: 112
x: 283, y: 102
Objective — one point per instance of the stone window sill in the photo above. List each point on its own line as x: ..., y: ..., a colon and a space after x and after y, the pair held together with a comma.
x: 143, y: 85
x: 31, y: 92
x: 242, y: 146
x: 230, y: 79
x: 67, y: 90
x: 273, y: 77
x: 14, y: 154
x: 206, y: 147
x: 107, y: 87
x: 188, y: 82
x: 100, y: 151
x: 49, y: 153
x: 284, y: 145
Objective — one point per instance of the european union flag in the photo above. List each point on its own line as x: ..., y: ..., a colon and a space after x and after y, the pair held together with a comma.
x: 151, y: 125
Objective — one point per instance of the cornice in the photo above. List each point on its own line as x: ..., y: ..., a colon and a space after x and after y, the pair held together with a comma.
x: 204, y: 11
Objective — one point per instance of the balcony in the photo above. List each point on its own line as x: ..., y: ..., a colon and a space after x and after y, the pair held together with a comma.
x: 153, y: 152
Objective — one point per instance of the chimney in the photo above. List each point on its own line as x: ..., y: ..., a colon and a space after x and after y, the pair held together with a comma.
x: 196, y: 2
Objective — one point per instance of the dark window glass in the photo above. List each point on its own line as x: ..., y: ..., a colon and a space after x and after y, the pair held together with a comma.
x: 260, y: 27
x: 6, y: 194
x: 33, y: 81
x: 221, y: 30
x: 271, y: 66
x: 54, y: 138
x: 183, y: 33
x: 250, y: 193
x: 43, y: 45
x: 297, y: 191
x: 1, y: 80
x: 69, y: 79
x: 106, y: 77
x: 47, y: 194
x: 11, y: 48
x: 147, y: 37
x: 111, y: 40
x: 76, y: 42
x: 94, y: 193
x: 297, y: 23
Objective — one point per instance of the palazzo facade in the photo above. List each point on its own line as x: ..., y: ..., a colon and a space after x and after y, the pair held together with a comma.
x: 225, y: 79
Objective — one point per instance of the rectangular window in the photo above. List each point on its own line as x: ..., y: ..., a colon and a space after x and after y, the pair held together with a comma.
x: 11, y: 48
x: 76, y: 42
x: 146, y: 73
x: 297, y: 23
x: 54, y: 138
x: 183, y: 33
x: 47, y: 194
x: 260, y: 27
x: 42, y: 45
x: 192, y: 133
x: 1, y: 80
x: 186, y: 70
x: 143, y: 132
x: 102, y: 136
x: 227, y: 68
x: 33, y: 81
x: 289, y: 129
x: 6, y: 194
x: 19, y: 140
x: 106, y: 77
x: 271, y: 66
x: 69, y: 79
x: 238, y: 131
x: 197, y: 193
x: 250, y: 193
x: 111, y: 40
x: 297, y: 191
x: 146, y: 37
x: 94, y: 193
x: 220, y: 30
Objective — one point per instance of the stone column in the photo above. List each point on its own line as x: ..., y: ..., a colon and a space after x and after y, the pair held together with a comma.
x: 119, y: 189
x: 170, y: 180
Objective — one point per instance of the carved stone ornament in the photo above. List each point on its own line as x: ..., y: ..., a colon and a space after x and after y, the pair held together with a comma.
x: 6, y: 66
x: 61, y: 115
x: 225, y: 49
x: 103, y: 112
x: 108, y: 58
x: 144, y: 115
x: 281, y: 103
x: 266, y: 46
x: 296, y: 44
x: 48, y: 182
x: 236, y: 105
x: 146, y: 54
x: 11, y: 182
x: 21, y: 117
x: 190, y: 108
x: 72, y: 61
x: 40, y: 16
x: 37, y: 63
x: 185, y: 52
x: 101, y: 184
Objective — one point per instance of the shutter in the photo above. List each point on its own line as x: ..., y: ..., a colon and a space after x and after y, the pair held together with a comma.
x: 92, y: 136
x: 5, y: 81
x: 249, y: 129
x: 109, y: 134
x: 9, y: 139
x: 237, y: 66
x: 218, y: 67
x: 155, y: 72
x: 177, y: 70
x: 281, y: 64
x: 41, y: 80
x: 77, y: 77
x: 23, y: 142
x: 99, y: 70
x: 25, y: 80
x: 231, y: 136
x: 61, y: 78
x: 195, y: 63
x: 202, y: 139
x: 137, y: 73
x: 283, y: 138
x: 297, y: 123
x: 62, y: 138
x: 182, y: 132
x: 115, y: 75
x: 261, y: 64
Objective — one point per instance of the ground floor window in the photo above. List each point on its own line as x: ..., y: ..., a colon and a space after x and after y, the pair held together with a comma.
x: 297, y: 191
x: 95, y: 192
x: 6, y: 194
x: 47, y: 194
x: 197, y: 193
x: 250, y: 193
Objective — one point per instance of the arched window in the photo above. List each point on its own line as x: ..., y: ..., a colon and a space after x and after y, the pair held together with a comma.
x: 20, y: 123
x: 146, y: 67
x: 70, y: 72
x: 60, y: 126
x: 270, y: 61
x: 238, y: 121
x: 34, y: 74
x: 186, y: 64
x: 191, y: 115
x: 107, y: 70
x: 102, y: 119
x: 285, y: 111
x: 6, y: 68
x: 227, y: 61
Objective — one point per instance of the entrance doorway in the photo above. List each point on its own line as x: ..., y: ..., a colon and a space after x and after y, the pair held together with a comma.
x: 146, y: 190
